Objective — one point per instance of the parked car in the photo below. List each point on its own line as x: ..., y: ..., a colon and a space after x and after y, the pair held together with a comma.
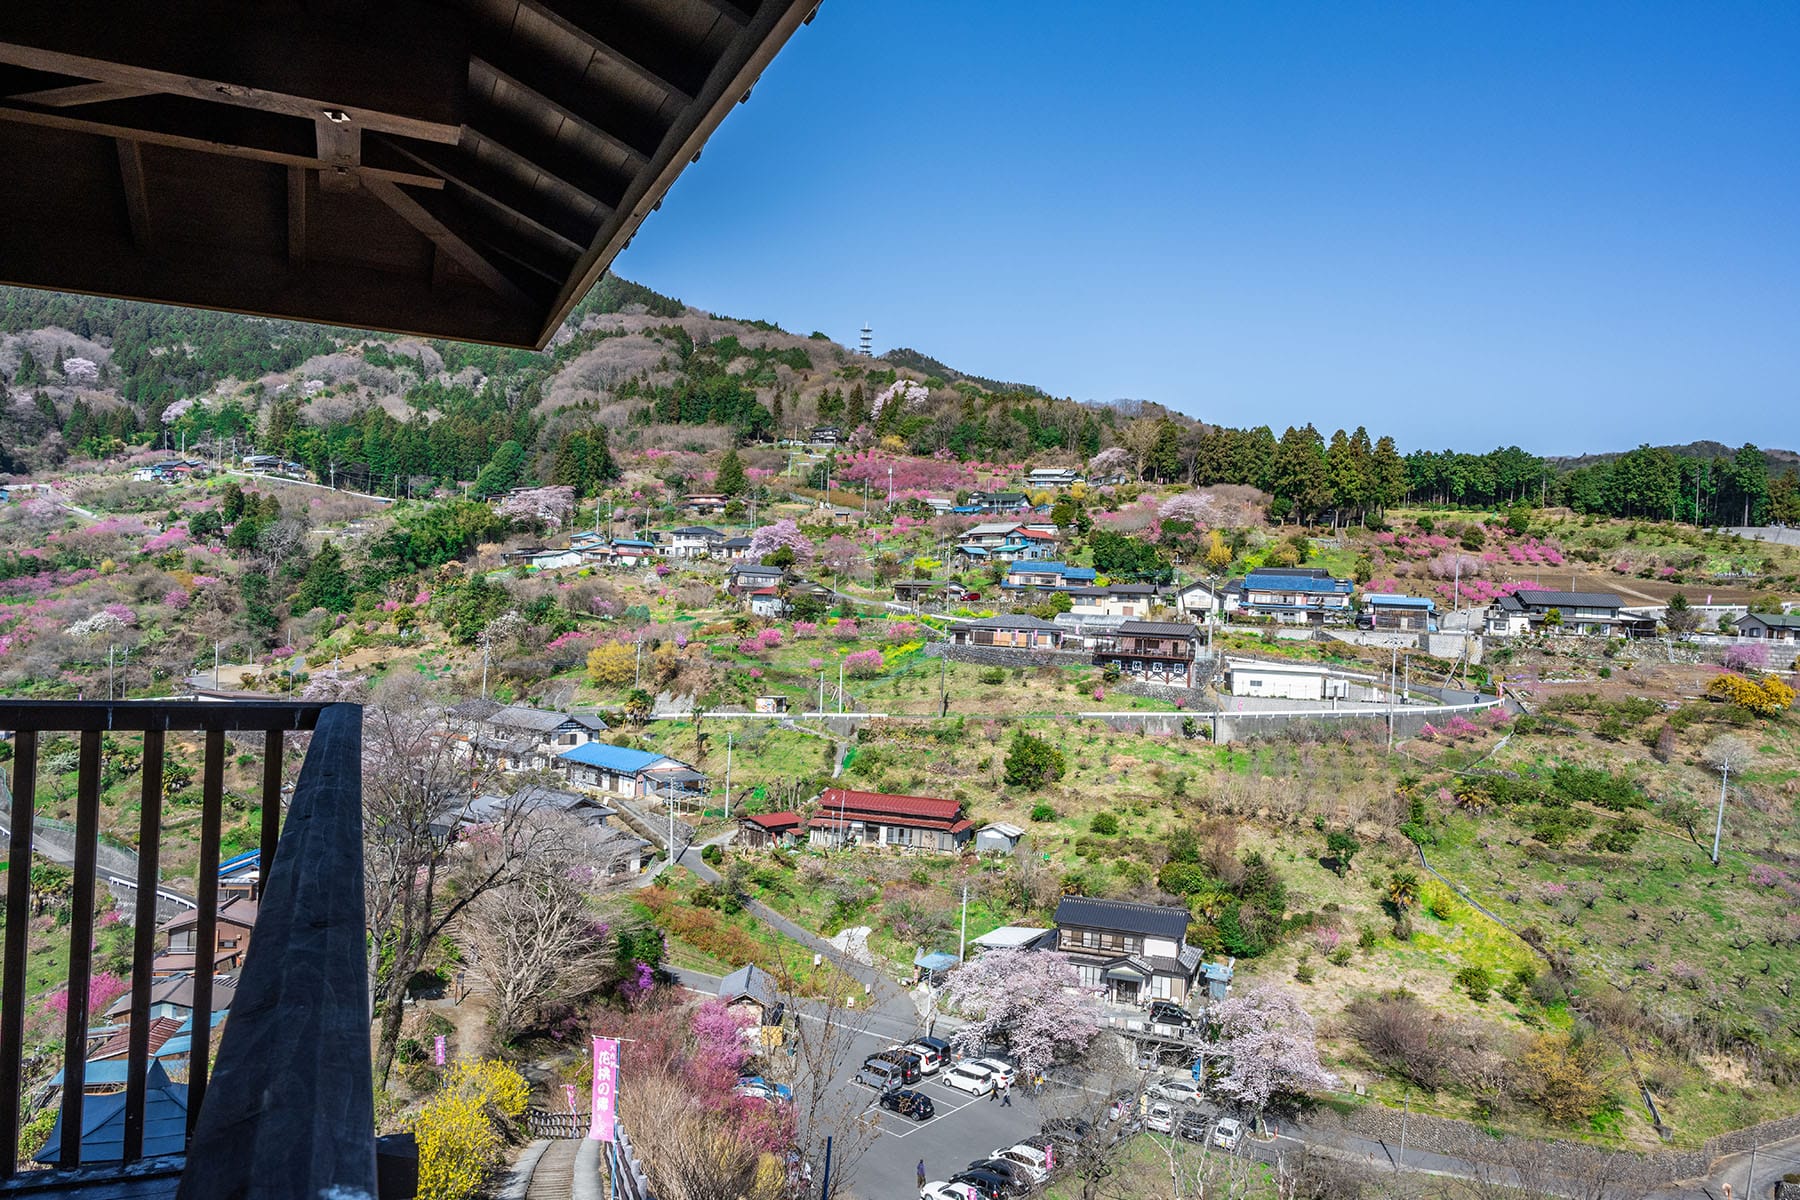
x: 992, y: 1185
x: 1177, y: 1089
x: 879, y: 1074
x: 780, y: 1091
x: 908, y: 1103
x: 911, y: 1069
x: 1193, y: 1126
x: 1017, y: 1177
x: 929, y: 1057
x: 968, y: 1077
x: 1003, y: 1072
x: 946, y: 1055
x: 1167, y: 1012
x: 943, y: 1189
x: 1161, y: 1117
x: 1228, y: 1133
x: 1032, y: 1158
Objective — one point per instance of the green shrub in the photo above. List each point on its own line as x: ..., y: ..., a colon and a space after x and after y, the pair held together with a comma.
x: 1365, y: 940
x: 1303, y: 971
x: 1031, y: 761
x: 1042, y: 812
x: 713, y: 855
x: 1477, y: 981
x: 992, y: 677
x: 1340, y: 956
x: 1104, y: 823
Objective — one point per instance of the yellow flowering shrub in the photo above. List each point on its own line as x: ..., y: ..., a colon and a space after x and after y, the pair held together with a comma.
x: 1765, y: 697
x: 459, y: 1131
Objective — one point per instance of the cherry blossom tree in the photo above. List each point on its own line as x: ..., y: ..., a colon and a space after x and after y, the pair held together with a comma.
x: 1197, y: 507
x: 1027, y: 1001
x: 551, y: 505
x: 1271, y: 1045
x: 1113, y: 460
x: 782, y: 535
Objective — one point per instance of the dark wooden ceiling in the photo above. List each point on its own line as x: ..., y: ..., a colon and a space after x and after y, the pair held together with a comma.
x: 454, y: 168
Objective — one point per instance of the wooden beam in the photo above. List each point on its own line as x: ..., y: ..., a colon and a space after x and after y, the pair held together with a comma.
x: 466, y: 256
x: 602, y: 48
x: 80, y: 93
x: 137, y: 197
x: 204, y: 139
x: 731, y: 12
x: 528, y: 145
x: 537, y: 207
x: 340, y: 144
x: 296, y: 217
x: 400, y: 66
x: 563, y: 101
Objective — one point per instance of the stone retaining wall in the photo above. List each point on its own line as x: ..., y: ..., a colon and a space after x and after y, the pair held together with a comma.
x: 1006, y: 656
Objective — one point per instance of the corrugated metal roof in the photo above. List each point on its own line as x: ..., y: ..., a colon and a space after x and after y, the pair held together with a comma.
x: 622, y: 760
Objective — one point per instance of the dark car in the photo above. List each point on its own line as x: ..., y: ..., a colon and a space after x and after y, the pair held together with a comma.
x: 987, y: 1184
x: 908, y: 1103
x: 1018, y: 1180
x: 1193, y: 1126
x: 1169, y: 1013
x: 945, y: 1053
x: 912, y: 1068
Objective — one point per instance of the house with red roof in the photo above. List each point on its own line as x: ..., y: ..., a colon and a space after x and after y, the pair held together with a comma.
x: 767, y: 831
x: 909, y: 824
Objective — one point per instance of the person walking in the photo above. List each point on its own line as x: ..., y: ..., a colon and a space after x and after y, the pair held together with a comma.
x: 921, y: 1174
x: 1006, y: 1095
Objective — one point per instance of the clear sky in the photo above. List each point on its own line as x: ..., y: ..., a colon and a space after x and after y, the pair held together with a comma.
x: 1571, y: 226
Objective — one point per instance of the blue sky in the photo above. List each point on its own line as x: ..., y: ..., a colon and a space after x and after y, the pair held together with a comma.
x: 1574, y: 227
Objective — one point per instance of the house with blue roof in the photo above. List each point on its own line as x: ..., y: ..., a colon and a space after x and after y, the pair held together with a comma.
x: 1297, y: 595
x: 1054, y: 576
x: 622, y: 771
x: 1390, y: 610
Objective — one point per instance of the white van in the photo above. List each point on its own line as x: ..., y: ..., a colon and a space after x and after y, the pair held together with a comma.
x: 929, y: 1058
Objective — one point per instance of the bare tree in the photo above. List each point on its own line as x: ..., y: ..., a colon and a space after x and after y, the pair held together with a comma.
x: 689, y: 1152
x: 1092, y: 1120
x: 818, y: 1043
x: 535, y: 939
x: 280, y: 540
x: 419, y: 876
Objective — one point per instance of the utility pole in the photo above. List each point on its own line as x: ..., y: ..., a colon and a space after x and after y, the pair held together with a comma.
x: 484, y: 665
x: 840, y: 687
x: 962, y: 942
x: 821, y: 693
x: 728, y: 776
x: 1719, y: 825
x: 215, y: 666
x: 943, y: 699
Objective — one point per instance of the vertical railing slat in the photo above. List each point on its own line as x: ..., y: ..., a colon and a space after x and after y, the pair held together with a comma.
x: 143, y: 942
x: 206, y: 935
x: 271, y: 807
x: 18, y: 930
x: 81, y: 946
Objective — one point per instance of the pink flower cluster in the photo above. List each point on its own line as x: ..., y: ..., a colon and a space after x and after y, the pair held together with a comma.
x: 863, y: 663
x: 573, y: 637
x: 168, y: 539
x: 847, y: 630
x: 1764, y: 876
x: 1552, y: 892
x: 806, y: 629
x: 1460, y: 727
x: 1535, y: 552
x: 763, y: 642
x: 901, y: 631
x: 178, y: 598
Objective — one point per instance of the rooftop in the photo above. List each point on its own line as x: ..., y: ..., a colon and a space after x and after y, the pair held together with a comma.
x: 1176, y: 629
x: 621, y: 760
x: 1154, y: 920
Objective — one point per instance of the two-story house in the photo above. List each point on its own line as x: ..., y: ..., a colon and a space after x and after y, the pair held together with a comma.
x: 1047, y: 576
x: 1017, y: 632
x: 706, y: 504
x: 910, y: 824
x: 747, y: 577
x: 694, y: 541
x: 1204, y: 597
x: 1042, y: 478
x: 1154, y: 652
x: 520, y: 738
x: 633, y: 774
x: 1128, y: 600
x: 1133, y: 953
x: 1000, y: 502
x: 1528, y: 611
x: 1297, y: 595
x: 231, y: 940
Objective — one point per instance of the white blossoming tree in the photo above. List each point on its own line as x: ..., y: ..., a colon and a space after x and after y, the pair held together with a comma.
x: 1271, y: 1046
x: 1027, y: 1001
x: 782, y: 535
x: 552, y: 505
x: 1113, y: 460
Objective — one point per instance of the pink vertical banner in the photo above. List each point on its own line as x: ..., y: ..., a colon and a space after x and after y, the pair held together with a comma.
x: 606, y: 1089
x: 437, y: 1049
x: 569, y: 1091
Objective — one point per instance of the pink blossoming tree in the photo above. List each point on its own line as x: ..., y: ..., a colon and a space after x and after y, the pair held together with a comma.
x: 1272, y: 1047
x: 1027, y: 1001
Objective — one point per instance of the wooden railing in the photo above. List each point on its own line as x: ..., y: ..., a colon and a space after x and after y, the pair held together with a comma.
x: 288, y: 1110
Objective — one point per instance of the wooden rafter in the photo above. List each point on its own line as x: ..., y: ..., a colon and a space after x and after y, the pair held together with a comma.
x: 296, y: 217
x: 536, y: 208
x: 466, y: 256
x: 553, y: 97
x: 602, y: 47
x: 137, y: 196
x: 80, y: 93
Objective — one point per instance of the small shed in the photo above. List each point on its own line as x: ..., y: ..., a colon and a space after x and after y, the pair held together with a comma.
x: 1218, y: 978
x: 934, y: 967
x: 1283, y: 681
x: 771, y: 704
x: 998, y: 838
x: 1014, y: 937
x: 750, y: 987
x: 767, y: 831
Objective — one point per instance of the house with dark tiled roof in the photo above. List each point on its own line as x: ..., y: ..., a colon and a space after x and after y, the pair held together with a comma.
x: 1297, y: 595
x: 518, y: 737
x: 1011, y: 632
x: 1132, y: 953
x: 1774, y: 627
x: 1528, y: 611
x: 1153, y: 652
x: 910, y: 824
x: 165, y: 1121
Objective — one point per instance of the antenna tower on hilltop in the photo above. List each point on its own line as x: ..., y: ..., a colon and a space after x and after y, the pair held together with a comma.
x: 866, y: 346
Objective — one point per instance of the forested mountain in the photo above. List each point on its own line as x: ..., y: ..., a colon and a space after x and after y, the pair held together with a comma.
x: 635, y: 370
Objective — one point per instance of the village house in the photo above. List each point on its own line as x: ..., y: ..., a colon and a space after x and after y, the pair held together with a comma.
x: 990, y: 534
x: 1528, y: 611
x: 751, y: 989
x: 231, y: 939
x: 1154, y: 652
x: 1203, y: 597
x: 705, y: 504
x: 910, y: 824
x: 543, y: 558
x: 1040, y: 478
x: 768, y: 831
x: 1127, y: 600
x: 998, y: 838
x: 767, y: 603
x: 1297, y: 595
x: 1132, y: 953
x: 745, y: 577
x: 633, y: 552
x: 1000, y: 502
x: 1283, y: 680
x: 520, y: 738
x: 1774, y: 627
x: 733, y: 548
x: 694, y: 541
x: 633, y: 774
x: 826, y: 435
x: 174, y: 997
x: 1392, y: 611
x: 1020, y: 632
x: 1051, y: 576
